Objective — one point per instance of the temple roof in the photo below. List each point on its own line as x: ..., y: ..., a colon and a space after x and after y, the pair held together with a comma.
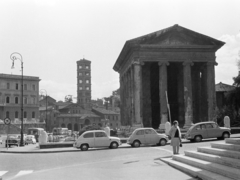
x: 176, y: 35
x: 172, y: 37
x: 221, y: 87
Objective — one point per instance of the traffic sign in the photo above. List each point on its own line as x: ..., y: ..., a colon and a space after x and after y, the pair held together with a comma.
x: 7, y: 121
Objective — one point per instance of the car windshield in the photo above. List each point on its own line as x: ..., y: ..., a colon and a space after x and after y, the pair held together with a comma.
x: 12, y: 136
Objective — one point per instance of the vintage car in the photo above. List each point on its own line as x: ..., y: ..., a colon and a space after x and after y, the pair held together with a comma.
x: 30, y: 139
x: 12, y: 140
x: 205, y: 130
x: 147, y: 136
x: 96, y: 139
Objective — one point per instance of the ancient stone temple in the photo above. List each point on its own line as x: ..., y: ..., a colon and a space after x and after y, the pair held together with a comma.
x: 173, y: 67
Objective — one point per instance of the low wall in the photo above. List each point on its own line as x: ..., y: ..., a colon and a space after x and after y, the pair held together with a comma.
x: 56, y: 145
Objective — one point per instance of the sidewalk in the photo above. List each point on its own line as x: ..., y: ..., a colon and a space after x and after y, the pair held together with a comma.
x: 34, y: 148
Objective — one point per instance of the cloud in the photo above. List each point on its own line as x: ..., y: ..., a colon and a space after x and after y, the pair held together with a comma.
x: 227, y: 58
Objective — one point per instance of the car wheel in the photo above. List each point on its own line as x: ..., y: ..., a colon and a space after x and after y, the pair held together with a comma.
x: 136, y: 143
x: 225, y: 135
x: 198, y: 138
x: 162, y: 142
x: 114, y: 145
x: 84, y: 147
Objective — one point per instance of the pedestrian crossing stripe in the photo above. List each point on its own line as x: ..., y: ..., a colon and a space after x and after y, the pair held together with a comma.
x: 3, y: 172
x: 24, y: 172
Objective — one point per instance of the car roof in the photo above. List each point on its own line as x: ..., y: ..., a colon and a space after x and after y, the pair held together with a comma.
x: 206, y: 122
x: 143, y: 128
x: 93, y: 131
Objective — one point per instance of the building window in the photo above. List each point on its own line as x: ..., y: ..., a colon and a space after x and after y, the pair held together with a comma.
x: 80, y: 81
x: 34, y: 100
x: 8, y: 85
x: 7, y: 99
x: 33, y: 114
x: 33, y: 87
x: 25, y: 114
x: 87, y: 73
x: 16, y: 114
x: 25, y: 100
x: 87, y: 81
x: 80, y: 67
x: 17, y: 86
x: 25, y: 86
x: 16, y: 100
x: 87, y: 88
x: 7, y: 114
x: 87, y: 67
x: 80, y: 74
x: 80, y: 88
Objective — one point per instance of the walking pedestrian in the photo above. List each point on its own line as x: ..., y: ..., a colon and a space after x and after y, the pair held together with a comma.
x: 175, y: 134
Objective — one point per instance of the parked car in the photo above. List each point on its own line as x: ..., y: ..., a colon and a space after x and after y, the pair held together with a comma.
x: 12, y: 140
x: 95, y: 139
x: 88, y: 128
x: 147, y: 136
x: 205, y: 130
x: 30, y: 139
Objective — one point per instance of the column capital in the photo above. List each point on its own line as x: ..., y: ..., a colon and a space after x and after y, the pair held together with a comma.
x: 160, y: 63
x: 188, y: 63
x: 212, y: 63
x: 137, y: 61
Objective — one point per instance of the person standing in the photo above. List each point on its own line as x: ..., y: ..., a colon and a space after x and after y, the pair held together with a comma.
x: 107, y: 129
x: 175, y: 134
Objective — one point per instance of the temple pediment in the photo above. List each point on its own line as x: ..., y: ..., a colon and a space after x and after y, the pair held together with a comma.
x: 176, y: 36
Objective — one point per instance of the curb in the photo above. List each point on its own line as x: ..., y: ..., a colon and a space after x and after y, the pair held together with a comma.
x: 46, y: 151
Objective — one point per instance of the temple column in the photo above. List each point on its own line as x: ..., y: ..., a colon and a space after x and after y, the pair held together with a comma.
x: 128, y: 97
x: 131, y: 94
x: 121, y: 99
x: 187, y: 82
x: 124, y: 99
x: 162, y: 93
x: 137, y: 91
x: 211, y: 94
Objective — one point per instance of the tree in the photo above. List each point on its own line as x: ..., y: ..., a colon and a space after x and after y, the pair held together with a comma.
x: 68, y: 98
x: 233, y: 97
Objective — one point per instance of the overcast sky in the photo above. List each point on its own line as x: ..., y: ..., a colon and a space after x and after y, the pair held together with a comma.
x: 52, y: 35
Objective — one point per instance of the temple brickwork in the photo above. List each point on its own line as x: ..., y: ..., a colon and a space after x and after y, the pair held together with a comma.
x: 173, y: 67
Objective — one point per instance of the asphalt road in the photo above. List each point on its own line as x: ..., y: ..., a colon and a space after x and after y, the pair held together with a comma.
x: 122, y: 163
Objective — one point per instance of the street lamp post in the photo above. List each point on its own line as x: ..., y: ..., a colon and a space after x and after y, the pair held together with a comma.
x: 46, y: 106
x: 17, y: 56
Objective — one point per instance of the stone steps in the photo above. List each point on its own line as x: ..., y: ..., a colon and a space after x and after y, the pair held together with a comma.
x: 194, y: 171
x: 219, y: 152
x: 230, y: 172
x: 232, y: 147
x: 221, y: 161
x: 230, y: 162
x: 232, y: 141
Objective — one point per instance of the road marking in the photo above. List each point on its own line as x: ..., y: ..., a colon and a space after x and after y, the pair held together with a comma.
x: 3, y: 172
x: 24, y: 173
x: 158, y: 148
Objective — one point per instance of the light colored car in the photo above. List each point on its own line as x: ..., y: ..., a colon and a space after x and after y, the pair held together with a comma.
x: 147, y: 136
x: 205, y: 130
x: 95, y: 139
x: 12, y: 140
x: 30, y: 139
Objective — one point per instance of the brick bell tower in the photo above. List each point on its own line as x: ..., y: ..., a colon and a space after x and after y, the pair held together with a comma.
x: 84, y: 83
